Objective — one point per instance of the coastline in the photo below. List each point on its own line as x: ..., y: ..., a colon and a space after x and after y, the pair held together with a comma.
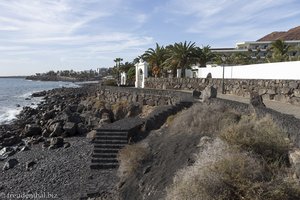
x: 60, y: 78
x: 50, y: 145
x: 16, y: 93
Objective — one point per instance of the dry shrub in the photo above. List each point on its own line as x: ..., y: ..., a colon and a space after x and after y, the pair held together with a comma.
x: 218, y: 173
x: 170, y: 119
x: 130, y: 158
x: 225, y: 173
x: 261, y: 136
x: 203, y: 118
x: 120, y: 109
x: 98, y: 104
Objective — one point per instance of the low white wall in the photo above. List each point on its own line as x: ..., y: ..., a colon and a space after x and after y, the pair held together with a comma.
x: 281, y: 70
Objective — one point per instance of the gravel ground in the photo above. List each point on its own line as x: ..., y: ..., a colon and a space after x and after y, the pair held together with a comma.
x: 61, y: 173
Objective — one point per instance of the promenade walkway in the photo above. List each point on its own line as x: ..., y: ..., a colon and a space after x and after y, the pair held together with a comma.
x: 275, y: 105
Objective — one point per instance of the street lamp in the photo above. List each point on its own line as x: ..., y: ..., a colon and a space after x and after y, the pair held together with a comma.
x: 223, y: 84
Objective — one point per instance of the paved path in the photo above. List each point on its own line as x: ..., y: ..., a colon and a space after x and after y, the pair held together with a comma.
x: 275, y: 105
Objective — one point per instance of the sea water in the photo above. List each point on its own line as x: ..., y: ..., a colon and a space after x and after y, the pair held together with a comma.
x: 15, y: 93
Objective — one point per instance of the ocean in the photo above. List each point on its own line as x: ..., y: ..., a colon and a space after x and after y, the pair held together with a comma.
x: 17, y: 91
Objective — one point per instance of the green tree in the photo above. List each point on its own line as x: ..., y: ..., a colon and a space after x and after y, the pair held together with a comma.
x: 180, y: 56
x: 240, y: 58
x: 126, y: 66
x: 131, y: 75
x: 116, y: 70
x: 279, y: 51
x: 204, y: 55
x: 155, y: 57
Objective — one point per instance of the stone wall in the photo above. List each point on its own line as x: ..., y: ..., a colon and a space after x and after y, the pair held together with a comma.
x: 143, y: 96
x: 287, y: 91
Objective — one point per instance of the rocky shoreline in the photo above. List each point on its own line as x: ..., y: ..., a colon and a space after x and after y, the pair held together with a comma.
x: 60, y: 78
x: 47, y: 149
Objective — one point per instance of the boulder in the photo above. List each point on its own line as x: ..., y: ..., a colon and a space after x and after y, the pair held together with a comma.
x: 293, y: 85
x: 91, y: 135
x: 262, y: 91
x: 25, y: 148
x: 57, y: 129
x: 9, y: 141
x: 81, y: 129
x: 31, y: 130
x: 67, y: 145
x: 45, y: 133
x: 294, y: 158
x: 6, y: 152
x: 74, y: 117
x: 10, y: 164
x: 39, y: 94
x: 105, y: 119
x: 208, y: 93
x: 297, y: 93
x: 49, y: 115
x: 56, y: 142
x: 70, y: 128
x: 29, y: 165
x: 36, y: 140
x: 196, y: 94
x: 256, y: 100
x: 133, y: 110
x: 72, y: 108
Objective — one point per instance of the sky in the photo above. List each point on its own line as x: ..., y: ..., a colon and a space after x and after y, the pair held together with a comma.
x: 41, y: 35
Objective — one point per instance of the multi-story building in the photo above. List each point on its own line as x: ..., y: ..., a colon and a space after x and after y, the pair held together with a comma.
x: 258, y: 48
x: 262, y: 47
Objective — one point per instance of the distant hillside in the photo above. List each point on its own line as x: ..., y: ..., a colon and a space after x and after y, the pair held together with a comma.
x: 292, y: 34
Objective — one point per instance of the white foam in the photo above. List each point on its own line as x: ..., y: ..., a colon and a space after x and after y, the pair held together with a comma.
x: 26, y: 95
x: 8, y: 115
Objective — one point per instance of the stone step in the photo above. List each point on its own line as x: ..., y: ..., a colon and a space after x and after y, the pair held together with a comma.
x: 104, y: 160
x: 103, y: 166
x: 103, y: 150
x: 124, y: 142
x: 109, y: 146
x: 110, y: 137
x: 110, y: 130
x: 104, y: 155
x: 107, y: 133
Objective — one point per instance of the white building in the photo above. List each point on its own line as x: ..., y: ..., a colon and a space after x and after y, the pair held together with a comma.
x: 258, y: 48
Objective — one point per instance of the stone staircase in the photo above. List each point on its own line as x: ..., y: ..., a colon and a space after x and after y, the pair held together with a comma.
x: 107, y: 144
x: 110, y: 139
x: 113, y: 137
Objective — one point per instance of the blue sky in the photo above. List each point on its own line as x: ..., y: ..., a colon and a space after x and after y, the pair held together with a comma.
x: 43, y: 35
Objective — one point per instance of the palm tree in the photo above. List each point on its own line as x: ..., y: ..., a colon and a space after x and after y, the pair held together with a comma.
x: 280, y: 50
x: 118, y: 63
x: 204, y: 55
x: 155, y: 57
x: 180, y: 56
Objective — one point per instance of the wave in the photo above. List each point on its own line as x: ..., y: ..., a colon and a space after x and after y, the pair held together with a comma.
x: 26, y: 95
x: 9, y: 115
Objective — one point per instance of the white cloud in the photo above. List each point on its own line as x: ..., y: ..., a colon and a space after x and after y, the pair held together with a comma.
x: 68, y: 31
x: 227, y: 19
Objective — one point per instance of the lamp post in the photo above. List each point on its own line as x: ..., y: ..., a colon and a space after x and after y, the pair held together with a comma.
x: 223, y: 65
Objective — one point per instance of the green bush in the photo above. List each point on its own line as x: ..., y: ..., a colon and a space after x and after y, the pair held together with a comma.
x: 110, y: 82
